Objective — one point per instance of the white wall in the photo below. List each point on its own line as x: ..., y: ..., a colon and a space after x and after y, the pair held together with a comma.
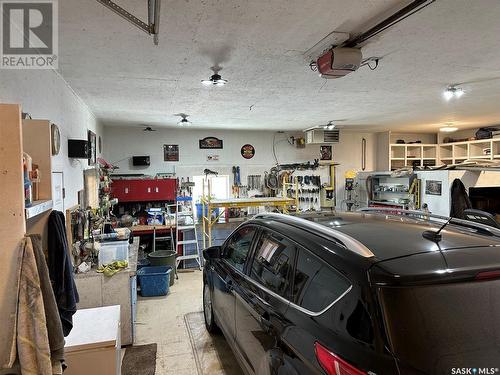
x: 122, y: 143
x: 441, y: 205
x: 45, y: 95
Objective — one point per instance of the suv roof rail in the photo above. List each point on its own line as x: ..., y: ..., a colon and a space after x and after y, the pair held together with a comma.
x: 347, y: 241
x: 437, y: 218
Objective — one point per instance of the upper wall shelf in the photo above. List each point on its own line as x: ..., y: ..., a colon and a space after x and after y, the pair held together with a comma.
x: 407, y: 155
x: 456, y: 152
x: 37, y: 208
x: 393, y: 156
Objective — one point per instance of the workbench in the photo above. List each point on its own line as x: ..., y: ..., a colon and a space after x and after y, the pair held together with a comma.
x: 209, y: 205
x: 97, y: 290
x: 139, y: 230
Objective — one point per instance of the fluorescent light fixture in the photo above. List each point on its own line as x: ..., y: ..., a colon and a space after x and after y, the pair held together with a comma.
x: 448, y: 129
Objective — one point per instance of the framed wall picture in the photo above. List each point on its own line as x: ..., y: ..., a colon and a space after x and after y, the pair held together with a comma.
x: 247, y: 151
x: 211, y: 143
x: 433, y: 187
x: 171, y: 152
x: 326, y: 152
x: 92, y: 147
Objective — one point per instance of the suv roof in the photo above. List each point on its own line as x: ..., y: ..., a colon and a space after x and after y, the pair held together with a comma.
x: 384, y: 236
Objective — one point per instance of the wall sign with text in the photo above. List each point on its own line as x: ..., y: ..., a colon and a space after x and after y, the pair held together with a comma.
x: 211, y: 143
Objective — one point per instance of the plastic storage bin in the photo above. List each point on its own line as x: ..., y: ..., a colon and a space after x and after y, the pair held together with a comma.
x: 112, y: 251
x: 154, y: 281
x: 163, y: 258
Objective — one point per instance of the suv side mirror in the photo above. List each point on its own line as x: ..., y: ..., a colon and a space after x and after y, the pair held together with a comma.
x: 213, y: 252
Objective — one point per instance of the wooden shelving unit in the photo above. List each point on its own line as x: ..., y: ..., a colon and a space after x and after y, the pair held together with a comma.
x: 406, y: 155
x: 457, y: 152
x: 393, y: 155
x: 16, y: 136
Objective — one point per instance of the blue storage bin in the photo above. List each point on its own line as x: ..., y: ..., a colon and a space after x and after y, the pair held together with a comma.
x: 199, y: 211
x: 154, y: 281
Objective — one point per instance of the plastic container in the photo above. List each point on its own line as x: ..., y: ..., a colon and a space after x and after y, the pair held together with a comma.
x: 163, y: 258
x: 112, y: 251
x: 199, y: 211
x: 154, y: 281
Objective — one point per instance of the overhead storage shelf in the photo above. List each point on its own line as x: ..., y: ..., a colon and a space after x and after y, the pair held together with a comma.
x: 37, y: 208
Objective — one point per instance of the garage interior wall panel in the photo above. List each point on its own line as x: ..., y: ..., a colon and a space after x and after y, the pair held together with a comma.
x: 193, y: 160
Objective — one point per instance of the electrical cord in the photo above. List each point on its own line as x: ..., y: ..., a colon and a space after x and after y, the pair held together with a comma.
x: 274, y: 148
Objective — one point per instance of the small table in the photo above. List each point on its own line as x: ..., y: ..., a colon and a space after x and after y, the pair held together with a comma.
x: 93, y: 346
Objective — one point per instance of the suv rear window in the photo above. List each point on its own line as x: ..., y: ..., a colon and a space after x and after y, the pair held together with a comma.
x: 440, y: 327
x: 316, y: 284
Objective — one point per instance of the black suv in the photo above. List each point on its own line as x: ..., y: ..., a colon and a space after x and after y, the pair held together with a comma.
x: 357, y: 293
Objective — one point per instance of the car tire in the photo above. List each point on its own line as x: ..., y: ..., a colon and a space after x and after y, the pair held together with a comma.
x: 208, y: 311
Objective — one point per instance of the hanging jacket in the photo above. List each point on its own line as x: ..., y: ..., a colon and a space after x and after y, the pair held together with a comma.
x: 61, y: 270
x: 459, y: 199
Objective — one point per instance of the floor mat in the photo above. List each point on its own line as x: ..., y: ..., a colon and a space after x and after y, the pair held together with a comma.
x: 139, y: 360
x: 212, y: 353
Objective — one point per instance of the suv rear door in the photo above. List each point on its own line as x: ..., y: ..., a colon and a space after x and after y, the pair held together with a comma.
x: 262, y: 300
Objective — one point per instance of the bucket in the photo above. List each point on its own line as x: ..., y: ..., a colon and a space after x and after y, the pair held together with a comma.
x: 154, y: 281
x: 163, y: 258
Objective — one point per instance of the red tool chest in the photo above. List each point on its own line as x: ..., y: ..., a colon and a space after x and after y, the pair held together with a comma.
x: 139, y: 190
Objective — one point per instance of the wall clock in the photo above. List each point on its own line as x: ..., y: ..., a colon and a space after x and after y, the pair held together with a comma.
x: 56, y: 139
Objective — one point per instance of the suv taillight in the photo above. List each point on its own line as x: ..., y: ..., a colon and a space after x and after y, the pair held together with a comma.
x: 488, y: 275
x: 333, y: 364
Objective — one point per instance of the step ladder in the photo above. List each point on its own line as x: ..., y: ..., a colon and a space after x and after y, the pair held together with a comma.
x: 184, y: 220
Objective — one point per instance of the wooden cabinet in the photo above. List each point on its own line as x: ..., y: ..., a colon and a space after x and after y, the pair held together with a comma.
x: 138, y: 190
x: 16, y: 136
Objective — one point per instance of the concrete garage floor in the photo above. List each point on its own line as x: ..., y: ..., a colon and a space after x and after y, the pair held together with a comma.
x: 175, y: 324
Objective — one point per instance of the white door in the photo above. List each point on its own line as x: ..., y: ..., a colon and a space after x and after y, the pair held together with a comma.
x: 58, y: 191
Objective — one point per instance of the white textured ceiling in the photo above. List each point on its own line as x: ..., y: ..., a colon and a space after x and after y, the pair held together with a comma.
x: 126, y: 80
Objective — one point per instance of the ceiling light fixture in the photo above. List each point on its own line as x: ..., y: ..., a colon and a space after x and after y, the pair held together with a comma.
x: 453, y: 91
x: 184, y: 121
x: 448, y: 128
x: 214, y: 80
x: 329, y: 126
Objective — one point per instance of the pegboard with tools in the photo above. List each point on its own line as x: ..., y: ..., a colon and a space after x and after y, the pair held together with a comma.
x: 309, y: 189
